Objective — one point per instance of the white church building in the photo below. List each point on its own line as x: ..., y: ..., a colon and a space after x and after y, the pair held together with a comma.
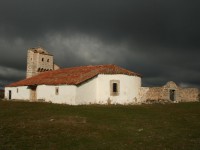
x: 101, y: 84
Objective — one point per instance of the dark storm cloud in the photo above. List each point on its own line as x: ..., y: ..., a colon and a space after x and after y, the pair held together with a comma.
x: 159, y: 39
x: 176, y: 22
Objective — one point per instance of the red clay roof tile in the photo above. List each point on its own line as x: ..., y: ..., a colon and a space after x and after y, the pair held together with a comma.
x: 72, y: 76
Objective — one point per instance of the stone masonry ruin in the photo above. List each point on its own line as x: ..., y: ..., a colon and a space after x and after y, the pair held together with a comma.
x: 168, y: 93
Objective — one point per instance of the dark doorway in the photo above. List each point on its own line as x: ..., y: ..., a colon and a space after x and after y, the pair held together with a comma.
x: 172, y: 95
x: 10, y: 94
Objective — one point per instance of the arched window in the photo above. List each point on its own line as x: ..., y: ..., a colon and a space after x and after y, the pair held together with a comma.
x: 42, y: 59
x: 47, y: 60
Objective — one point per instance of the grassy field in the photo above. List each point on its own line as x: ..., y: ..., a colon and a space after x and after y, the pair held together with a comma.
x: 25, y: 125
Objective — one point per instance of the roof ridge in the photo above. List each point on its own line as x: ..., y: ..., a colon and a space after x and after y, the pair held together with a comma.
x: 73, y: 75
x: 87, y: 66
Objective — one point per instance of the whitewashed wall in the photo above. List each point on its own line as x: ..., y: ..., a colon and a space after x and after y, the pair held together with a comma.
x: 94, y: 91
x: 22, y: 94
x: 87, y: 92
x: 66, y: 95
x: 128, y: 92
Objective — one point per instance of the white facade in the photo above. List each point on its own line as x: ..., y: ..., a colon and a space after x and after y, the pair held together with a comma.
x: 99, y: 90
x: 102, y: 89
x: 87, y: 92
x: 63, y: 94
x: 21, y: 93
x: 128, y: 89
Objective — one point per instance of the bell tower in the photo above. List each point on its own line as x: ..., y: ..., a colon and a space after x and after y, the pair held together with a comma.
x: 38, y: 61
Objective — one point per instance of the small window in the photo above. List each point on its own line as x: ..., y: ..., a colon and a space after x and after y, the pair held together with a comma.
x: 114, y: 87
x: 47, y: 60
x: 42, y: 59
x: 57, y: 91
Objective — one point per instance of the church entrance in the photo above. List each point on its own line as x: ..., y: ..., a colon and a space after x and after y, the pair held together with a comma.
x: 172, y: 95
x: 33, y: 93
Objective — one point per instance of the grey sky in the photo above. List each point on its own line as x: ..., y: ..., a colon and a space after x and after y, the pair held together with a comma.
x: 159, y: 39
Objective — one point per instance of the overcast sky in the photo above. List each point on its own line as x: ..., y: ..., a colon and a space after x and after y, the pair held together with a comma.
x: 156, y: 38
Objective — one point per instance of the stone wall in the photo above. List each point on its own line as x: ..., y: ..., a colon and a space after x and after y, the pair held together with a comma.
x: 39, y: 60
x: 44, y: 62
x: 142, y: 97
x: 168, y: 93
x: 31, y: 67
x: 56, y: 67
x: 189, y: 94
x: 154, y: 93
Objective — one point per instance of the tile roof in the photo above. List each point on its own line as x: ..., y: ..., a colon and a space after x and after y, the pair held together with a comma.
x: 72, y: 76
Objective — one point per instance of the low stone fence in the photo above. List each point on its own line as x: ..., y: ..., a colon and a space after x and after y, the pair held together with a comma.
x: 189, y: 94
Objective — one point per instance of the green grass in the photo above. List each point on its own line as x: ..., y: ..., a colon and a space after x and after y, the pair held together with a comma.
x: 25, y: 125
